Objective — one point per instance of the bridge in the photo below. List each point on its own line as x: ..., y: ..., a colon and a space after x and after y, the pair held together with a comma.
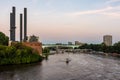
x: 61, y: 45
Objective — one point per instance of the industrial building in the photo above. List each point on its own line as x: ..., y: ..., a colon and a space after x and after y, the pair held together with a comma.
x: 37, y: 46
x: 107, y: 40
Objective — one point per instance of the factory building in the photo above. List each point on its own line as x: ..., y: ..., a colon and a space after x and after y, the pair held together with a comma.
x: 37, y: 46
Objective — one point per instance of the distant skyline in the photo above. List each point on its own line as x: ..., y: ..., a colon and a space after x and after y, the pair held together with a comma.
x: 60, y: 21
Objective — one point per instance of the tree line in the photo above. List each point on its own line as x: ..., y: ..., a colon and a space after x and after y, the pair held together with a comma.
x: 115, y: 48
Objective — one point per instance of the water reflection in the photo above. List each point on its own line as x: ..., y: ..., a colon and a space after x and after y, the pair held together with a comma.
x: 81, y: 67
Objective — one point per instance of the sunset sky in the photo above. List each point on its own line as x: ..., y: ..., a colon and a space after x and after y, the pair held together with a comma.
x: 65, y: 20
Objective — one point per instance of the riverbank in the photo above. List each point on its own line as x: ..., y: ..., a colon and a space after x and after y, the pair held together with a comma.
x: 108, y: 54
x: 89, y: 51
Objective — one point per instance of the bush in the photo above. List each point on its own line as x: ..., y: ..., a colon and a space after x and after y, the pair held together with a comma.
x: 18, y: 54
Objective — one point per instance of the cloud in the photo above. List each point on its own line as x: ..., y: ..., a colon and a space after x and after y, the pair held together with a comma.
x: 109, y: 11
x: 113, y: 14
x: 90, y: 11
x: 112, y: 1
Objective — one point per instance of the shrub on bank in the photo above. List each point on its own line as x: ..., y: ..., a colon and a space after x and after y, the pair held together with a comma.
x: 18, y: 54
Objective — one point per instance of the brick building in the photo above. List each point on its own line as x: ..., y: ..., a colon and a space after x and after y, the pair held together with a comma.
x: 37, y: 46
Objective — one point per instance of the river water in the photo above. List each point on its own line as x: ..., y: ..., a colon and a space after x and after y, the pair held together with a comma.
x: 81, y: 67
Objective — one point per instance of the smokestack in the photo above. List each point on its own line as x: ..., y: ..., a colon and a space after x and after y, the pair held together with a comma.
x: 25, y: 24
x: 13, y: 11
x: 21, y: 27
x: 12, y: 24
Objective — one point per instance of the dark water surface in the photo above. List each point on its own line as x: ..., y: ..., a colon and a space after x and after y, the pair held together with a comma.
x: 81, y: 67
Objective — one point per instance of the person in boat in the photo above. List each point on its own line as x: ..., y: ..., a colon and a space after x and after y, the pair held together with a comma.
x: 67, y: 60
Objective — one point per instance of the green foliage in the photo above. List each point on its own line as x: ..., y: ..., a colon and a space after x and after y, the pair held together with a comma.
x: 102, y: 47
x: 52, y: 48
x: 3, y: 39
x: 117, y: 47
x: 46, y: 50
x: 65, y: 48
x: 18, y: 54
x: 33, y: 38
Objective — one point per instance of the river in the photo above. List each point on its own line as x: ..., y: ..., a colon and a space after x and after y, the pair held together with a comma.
x: 81, y: 67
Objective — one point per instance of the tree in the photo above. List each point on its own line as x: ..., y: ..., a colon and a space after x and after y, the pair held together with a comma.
x: 3, y: 39
x: 33, y: 38
x: 117, y: 47
x: 46, y: 50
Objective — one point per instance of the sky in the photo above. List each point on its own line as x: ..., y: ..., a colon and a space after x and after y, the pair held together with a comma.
x: 60, y: 21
